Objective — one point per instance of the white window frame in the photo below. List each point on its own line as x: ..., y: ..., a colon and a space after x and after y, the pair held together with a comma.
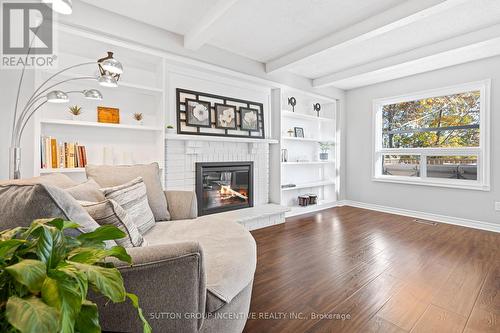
x: 482, y: 152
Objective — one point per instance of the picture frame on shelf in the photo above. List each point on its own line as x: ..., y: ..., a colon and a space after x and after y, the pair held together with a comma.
x: 225, y: 116
x: 108, y: 115
x: 299, y: 132
x: 198, y: 113
x: 249, y: 119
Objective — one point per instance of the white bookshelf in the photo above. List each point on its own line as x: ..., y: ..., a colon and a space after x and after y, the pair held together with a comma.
x: 140, y: 90
x: 304, y: 169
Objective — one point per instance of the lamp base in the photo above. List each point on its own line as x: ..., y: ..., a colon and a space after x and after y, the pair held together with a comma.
x: 15, y: 162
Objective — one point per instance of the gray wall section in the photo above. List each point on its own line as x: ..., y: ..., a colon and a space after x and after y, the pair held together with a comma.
x: 467, y: 204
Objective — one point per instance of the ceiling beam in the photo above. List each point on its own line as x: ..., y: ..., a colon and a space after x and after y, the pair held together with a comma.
x: 199, y: 33
x: 404, y: 14
x: 411, y: 58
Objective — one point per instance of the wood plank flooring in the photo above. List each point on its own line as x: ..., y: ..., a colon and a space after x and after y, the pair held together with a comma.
x: 353, y: 270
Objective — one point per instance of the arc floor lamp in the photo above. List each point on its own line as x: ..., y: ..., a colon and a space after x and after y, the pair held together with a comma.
x: 110, y: 70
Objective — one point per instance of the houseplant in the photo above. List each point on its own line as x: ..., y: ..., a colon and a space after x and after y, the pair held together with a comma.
x: 139, y: 117
x: 45, y: 276
x: 75, y: 111
x: 324, y: 147
x: 170, y: 129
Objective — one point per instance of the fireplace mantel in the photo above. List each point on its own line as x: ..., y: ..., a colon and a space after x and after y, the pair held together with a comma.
x: 187, y: 137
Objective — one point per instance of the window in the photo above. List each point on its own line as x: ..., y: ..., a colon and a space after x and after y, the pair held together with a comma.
x: 437, y: 137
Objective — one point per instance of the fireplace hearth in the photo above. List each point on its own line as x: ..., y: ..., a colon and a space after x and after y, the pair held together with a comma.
x: 223, y: 186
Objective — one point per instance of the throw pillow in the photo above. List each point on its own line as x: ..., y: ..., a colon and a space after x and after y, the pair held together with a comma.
x: 86, y: 191
x: 108, y: 212
x: 108, y: 176
x: 21, y: 204
x: 132, y: 197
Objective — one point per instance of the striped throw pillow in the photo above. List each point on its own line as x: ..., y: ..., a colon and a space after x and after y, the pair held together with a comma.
x: 108, y: 212
x: 132, y: 198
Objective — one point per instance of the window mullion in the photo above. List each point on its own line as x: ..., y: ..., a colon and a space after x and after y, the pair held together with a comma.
x: 423, y: 166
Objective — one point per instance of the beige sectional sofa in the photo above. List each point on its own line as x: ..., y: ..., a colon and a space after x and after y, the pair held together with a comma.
x: 195, y: 274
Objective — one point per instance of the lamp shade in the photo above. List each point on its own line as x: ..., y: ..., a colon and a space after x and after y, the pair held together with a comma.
x: 107, y: 81
x: 92, y: 94
x: 110, y: 64
x: 61, y: 6
x: 57, y: 96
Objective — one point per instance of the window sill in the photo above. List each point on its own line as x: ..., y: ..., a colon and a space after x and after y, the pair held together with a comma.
x: 458, y: 184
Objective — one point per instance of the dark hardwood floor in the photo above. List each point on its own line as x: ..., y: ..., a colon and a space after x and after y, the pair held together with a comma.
x: 381, y: 272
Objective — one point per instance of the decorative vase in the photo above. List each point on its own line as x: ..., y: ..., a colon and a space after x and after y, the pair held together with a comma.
x: 323, y: 156
x: 171, y: 130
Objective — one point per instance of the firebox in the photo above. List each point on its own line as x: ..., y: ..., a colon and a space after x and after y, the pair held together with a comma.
x: 223, y: 186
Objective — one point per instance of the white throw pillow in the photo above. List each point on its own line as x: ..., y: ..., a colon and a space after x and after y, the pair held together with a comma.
x: 133, y: 199
x: 108, y: 212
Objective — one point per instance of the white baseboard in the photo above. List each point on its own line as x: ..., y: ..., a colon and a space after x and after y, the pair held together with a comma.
x: 424, y: 216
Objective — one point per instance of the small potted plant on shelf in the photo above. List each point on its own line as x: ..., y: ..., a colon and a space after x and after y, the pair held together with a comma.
x: 46, y: 275
x: 75, y: 111
x: 324, y: 147
x: 170, y: 129
x: 139, y: 117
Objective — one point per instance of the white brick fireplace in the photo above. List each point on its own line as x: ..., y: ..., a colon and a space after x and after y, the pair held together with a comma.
x: 181, y: 156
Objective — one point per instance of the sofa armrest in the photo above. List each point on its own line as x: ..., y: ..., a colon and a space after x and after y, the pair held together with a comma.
x: 182, y: 205
x: 169, y: 280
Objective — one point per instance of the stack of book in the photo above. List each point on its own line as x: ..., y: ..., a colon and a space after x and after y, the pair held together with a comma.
x: 61, y: 154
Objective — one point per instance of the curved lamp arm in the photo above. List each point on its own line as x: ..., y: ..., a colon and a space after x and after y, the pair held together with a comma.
x: 34, y: 98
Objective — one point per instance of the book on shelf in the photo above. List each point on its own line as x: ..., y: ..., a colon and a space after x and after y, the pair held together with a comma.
x: 56, y: 154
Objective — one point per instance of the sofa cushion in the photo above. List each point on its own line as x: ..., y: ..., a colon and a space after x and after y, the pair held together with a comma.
x: 229, y: 253
x: 132, y: 198
x: 21, y: 204
x: 87, y: 191
x: 55, y: 179
x: 108, y: 176
x: 108, y: 212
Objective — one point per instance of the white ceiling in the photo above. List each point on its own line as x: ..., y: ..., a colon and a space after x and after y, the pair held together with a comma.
x: 331, y: 42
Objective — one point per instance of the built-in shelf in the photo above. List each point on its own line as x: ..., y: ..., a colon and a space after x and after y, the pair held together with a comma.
x: 97, y: 124
x: 293, y: 138
x: 309, y: 185
x: 62, y: 170
x: 297, y: 115
x: 187, y: 137
x: 307, y: 163
x: 322, y: 204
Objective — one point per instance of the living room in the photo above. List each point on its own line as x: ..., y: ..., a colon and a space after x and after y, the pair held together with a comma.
x: 249, y: 166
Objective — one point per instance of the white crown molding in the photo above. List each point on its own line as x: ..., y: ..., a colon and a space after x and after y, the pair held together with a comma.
x: 488, y: 226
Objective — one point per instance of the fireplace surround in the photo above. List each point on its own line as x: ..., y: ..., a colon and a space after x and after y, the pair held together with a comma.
x: 223, y: 186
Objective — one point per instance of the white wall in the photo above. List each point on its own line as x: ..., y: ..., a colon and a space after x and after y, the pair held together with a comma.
x: 9, y: 80
x: 467, y: 204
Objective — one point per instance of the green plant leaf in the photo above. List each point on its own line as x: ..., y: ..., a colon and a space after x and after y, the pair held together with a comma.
x: 29, y: 272
x: 44, y: 244
x: 64, y: 295
x: 103, y: 233
x: 135, y: 303
x: 70, y: 271
x: 61, y: 224
x: 31, y: 315
x: 120, y: 253
x: 8, y: 247
x: 108, y: 281
x: 87, y: 255
x: 11, y: 233
x: 87, y: 320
